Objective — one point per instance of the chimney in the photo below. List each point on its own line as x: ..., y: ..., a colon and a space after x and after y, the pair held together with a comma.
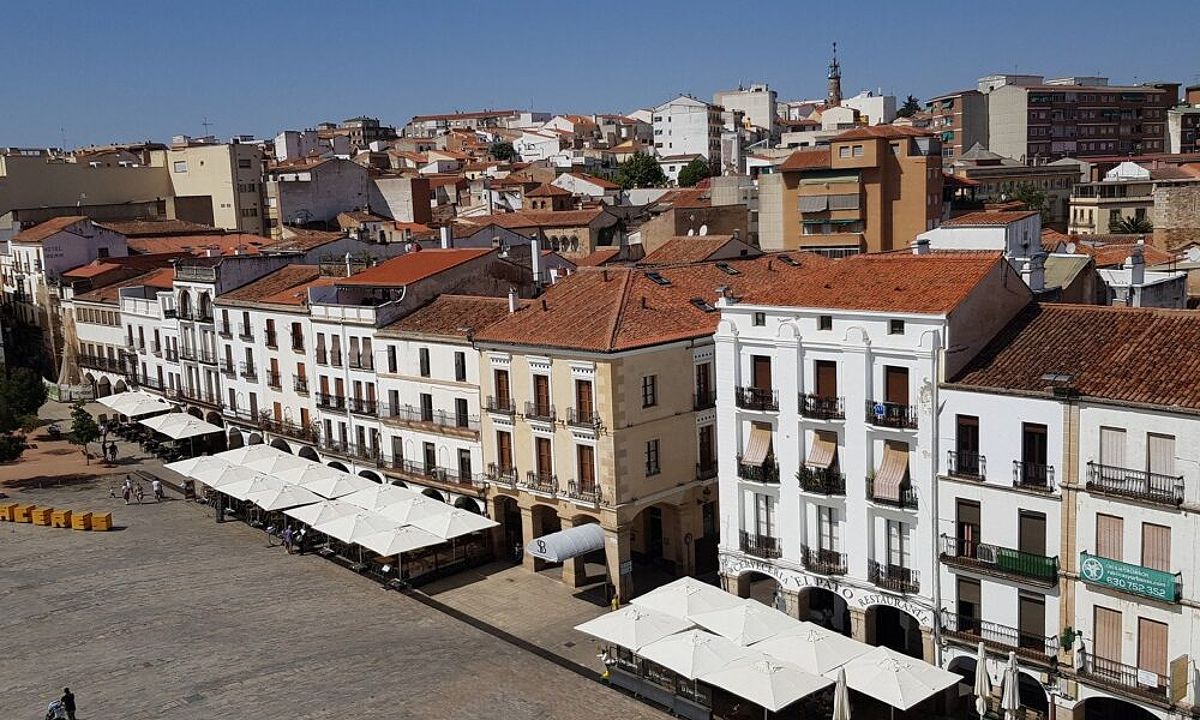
x: 348, y: 272
x: 920, y: 246
x: 512, y: 299
x: 447, y: 237
x: 1137, y: 266
x: 535, y: 257
x: 1035, y: 272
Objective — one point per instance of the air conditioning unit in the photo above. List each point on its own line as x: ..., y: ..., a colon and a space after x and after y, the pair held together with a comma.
x: 986, y: 553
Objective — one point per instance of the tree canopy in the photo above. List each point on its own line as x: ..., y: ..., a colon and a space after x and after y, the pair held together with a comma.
x: 640, y: 171
x: 1033, y: 199
x: 910, y: 107
x: 84, y: 428
x: 502, y: 150
x: 1132, y: 225
x: 693, y: 172
x: 22, y: 393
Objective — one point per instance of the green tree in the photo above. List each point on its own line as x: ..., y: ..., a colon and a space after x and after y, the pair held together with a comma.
x: 1133, y: 225
x: 911, y: 107
x: 693, y: 172
x: 22, y: 393
x: 640, y: 171
x: 502, y: 150
x: 84, y: 428
x: 1033, y: 199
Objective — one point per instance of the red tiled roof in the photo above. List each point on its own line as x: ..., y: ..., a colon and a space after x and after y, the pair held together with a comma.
x: 886, y: 132
x: 687, y: 249
x: 990, y: 217
x: 226, y: 244
x: 452, y: 316
x: 1113, y: 254
x: 547, y: 190
x: 1138, y: 355
x: 414, y: 266
x: 807, y: 160
x: 598, y: 257
x: 601, y: 182
x: 92, y: 269
x: 158, y: 228
x: 286, y: 286
x: 163, y: 279
x: 1052, y: 239
x: 43, y: 230
x: 538, y: 218
x: 934, y: 283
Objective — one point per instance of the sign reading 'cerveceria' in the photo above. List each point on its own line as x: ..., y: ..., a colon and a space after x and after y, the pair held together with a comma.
x: 1128, y: 578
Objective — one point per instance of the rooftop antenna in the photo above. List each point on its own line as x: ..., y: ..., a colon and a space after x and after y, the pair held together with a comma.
x: 206, y: 124
x: 63, y: 133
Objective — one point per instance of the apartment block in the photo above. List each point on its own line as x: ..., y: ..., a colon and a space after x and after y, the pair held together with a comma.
x: 1183, y: 123
x: 685, y: 125
x: 961, y: 121
x: 216, y: 183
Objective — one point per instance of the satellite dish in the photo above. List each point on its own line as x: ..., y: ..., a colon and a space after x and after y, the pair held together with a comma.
x: 703, y: 229
x: 1071, y: 248
x: 691, y: 232
x: 1193, y: 254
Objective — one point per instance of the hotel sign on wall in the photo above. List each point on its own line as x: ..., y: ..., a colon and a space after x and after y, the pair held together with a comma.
x: 1125, y: 577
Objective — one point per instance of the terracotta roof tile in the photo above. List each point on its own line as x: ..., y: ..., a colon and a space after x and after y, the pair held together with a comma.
x: 414, y: 266
x: 886, y: 132
x: 163, y: 279
x: 538, y: 218
x: 451, y: 316
x: 226, y: 244
x: 547, y: 190
x: 1113, y: 254
x: 1002, y: 217
x: 286, y: 286
x: 159, y: 228
x: 807, y: 160
x: 43, y: 230
x: 599, y: 257
x: 1138, y: 355
x: 687, y: 249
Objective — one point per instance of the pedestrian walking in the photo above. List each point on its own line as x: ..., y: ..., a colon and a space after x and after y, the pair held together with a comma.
x: 270, y: 530
x: 68, y: 701
x: 112, y: 451
x: 138, y: 492
x: 156, y: 485
x: 287, y: 540
x: 302, y: 539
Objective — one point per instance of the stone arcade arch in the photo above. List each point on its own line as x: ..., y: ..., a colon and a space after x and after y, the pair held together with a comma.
x: 338, y: 465
x: 235, y: 439
x: 281, y: 444
x: 469, y: 504
x: 308, y: 454
x: 892, y: 627
x: 371, y: 475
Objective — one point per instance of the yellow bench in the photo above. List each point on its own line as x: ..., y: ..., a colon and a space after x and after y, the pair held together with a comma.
x: 61, y: 519
x: 7, y: 511
x: 21, y: 513
x: 102, y: 521
x: 81, y: 520
x: 41, y: 515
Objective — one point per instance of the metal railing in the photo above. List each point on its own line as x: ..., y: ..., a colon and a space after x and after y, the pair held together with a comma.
x: 763, y: 546
x: 438, y: 474
x: 269, y: 337
x: 768, y: 472
x: 274, y: 380
x: 225, y: 331
x: 1033, y: 476
x: 300, y: 384
x: 818, y: 407
x: 972, y: 630
x: 1136, y: 484
x: 188, y: 353
x: 703, y: 400
x: 753, y: 398
x: 327, y: 401
x: 101, y: 362
x: 966, y: 465
x: 893, y: 577
x: 824, y: 481
x: 584, y: 492
x: 247, y: 370
x: 200, y: 396
x: 892, y: 415
x: 506, y: 476
x: 546, y: 483
x: 228, y: 368
x: 208, y: 357
x: 822, y: 560
x: 503, y: 405
x: 907, y: 496
x: 360, y: 451
x: 290, y: 429
x: 156, y: 348
x: 363, y: 406
x: 170, y: 354
x: 540, y: 412
x: 706, y: 470
x: 297, y: 342
x: 999, y: 559
x: 583, y: 418
x: 1120, y: 675
x: 429, y: 416
x: 245, y: 332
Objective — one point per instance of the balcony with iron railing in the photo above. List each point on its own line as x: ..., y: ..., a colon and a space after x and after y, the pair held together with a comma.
x: 300, y: 384
x: 326, y: 401
x: 767, y: 472
x: 502, y: 476
x: 437, y: 475
x: 170, y: 354
x: 763, y: 546
x: 753, y: 398
x: 362, y: 361
x: 541, y: 483
x: 156, y: 348
x: 270, y: 338
x: 907, y: 496
x: 200, y: 396
x: 822, y: 481
x: 818, y: 407
x: 228, y: 368
x: 356, y: 451
x: 501, y: 405
x: 274, y: 380
x: 297, y: 342
x: 970, y: 631
x: 248, y: 371
x: 587, y: 492
x: 823, y: 560
x: 189, y: 353
x: 1123, y: 678
x: 439, y: 421
x: 1135, y: 484
x: 540, y: 412
x: 363, y: 406
x: 290, y: 429
x: 208, y: 357
x: 704, y: 399
x: 967, y: 465
x: 584, y: 418
x: 893, y: 577
x: 891, y: 415
x: 225, y: 331
x: 245, y: 332
x: 707, y: 470
x: 999, y: 560
x: 1033, y: 476
x: 101, y: 362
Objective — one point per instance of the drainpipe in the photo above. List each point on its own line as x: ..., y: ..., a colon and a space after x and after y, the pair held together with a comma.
x: 937, y: 566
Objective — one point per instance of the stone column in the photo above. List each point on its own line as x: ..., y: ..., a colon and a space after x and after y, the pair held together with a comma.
x: 928, y: 649
x: 617, y: 551
x: 858, y: 627
x: 528, y: 533
x: 792, y: 603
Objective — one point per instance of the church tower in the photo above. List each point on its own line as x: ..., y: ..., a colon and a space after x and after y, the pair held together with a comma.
x: 834, y: 97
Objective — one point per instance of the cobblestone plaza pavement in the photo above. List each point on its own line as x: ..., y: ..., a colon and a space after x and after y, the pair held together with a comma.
x: 176, y: 616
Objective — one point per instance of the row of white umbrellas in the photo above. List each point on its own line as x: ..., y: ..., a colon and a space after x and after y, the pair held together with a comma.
x: 759, y: 653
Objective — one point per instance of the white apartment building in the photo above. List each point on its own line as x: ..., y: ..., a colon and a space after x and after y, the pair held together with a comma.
x: 687, y: 126
x: 145, y: 305
x: 826, y: 390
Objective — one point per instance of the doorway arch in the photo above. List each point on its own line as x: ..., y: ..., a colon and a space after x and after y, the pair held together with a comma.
x: 235, y: 439
x: 371, y: 475
x: 825, y: 608
x: 895, y: 629
x: 431, y: 493
x: 120, y: 387
x: 1110, y: 708
x: 308, y: 454
x: 281, y: 444
x: 255, y: 439
x: 468, y: 504
x: 104, y: 387
x: 215, y: 418
x: 338, y: 465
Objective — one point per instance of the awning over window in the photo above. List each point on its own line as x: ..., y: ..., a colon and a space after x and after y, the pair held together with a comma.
x: 890, y: 475
x: 814, y: 203
x: 758, y: 447
x: 821, y: 453
x: 566, y: 544
x: 843, y: 202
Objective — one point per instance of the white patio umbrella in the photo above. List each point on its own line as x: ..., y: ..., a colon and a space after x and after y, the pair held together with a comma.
x: 686, y: 596
x: 693, y: 653
x: 352, y: 528
x: 451, y: 522
x: 286, y: 496
x: 633, y: 627
x: 745, y: 623
x: 321, y: 512
x: 398, y: 540
x: 200, y: 468
x: 841, y: 697
x: 418, y: 507
x: 241, y: 483
x: 896, y: 679
x: 765, y: 681
x: 326, y: 481
x: 983, y: 683
x: 376, y: 497
x: 179, y: 426
x: 813, y: 648
x: 136, y: 403
x: 277, y: 465
x: 248, y: 453
x: 1010, y: 698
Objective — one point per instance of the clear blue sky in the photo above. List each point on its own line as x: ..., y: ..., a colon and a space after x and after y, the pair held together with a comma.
x: 126, y: 70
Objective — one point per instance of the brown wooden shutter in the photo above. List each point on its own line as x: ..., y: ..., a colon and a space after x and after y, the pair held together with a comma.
x: 826, y: 379
x: 1156, y: 547
x: 703, y: 379
x: 1152, y: 646
x: 1031, y: 620
x: 1032, y: 533
x: 544, y: 461
x: 502, y: 394
x: 541, y: 393
x: 1108, y: 634
x: 762, y: 371
x: 587, y: 468
x: 1112, y: 447
x: 896, y: 385
x: 504, y: 450
x: 583, y: 398
x: 1110, y: 537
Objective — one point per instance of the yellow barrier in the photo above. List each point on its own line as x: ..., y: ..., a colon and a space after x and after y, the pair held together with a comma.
x: 21, y: 513
x: 7, y: 511
x: 61, y: 519
x: 81, y: 520
x: 41, y: 515
x: 102, y: 521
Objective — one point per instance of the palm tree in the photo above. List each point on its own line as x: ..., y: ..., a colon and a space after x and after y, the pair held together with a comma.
x: 1135, y: 225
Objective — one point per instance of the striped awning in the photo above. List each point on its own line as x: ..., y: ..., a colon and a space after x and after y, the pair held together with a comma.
x: 890, y: 475
x: 843, y: 202
x: 821, y: 453
x: 758, y: 446
x: 814, y: 203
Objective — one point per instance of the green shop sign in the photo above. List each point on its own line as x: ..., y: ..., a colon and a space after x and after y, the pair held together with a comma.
x: 1128, y: 578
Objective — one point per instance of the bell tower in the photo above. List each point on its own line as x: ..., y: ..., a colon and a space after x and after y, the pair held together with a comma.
x: 833, y: 97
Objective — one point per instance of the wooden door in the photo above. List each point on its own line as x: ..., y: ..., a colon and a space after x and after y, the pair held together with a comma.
x: 896, y: 385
